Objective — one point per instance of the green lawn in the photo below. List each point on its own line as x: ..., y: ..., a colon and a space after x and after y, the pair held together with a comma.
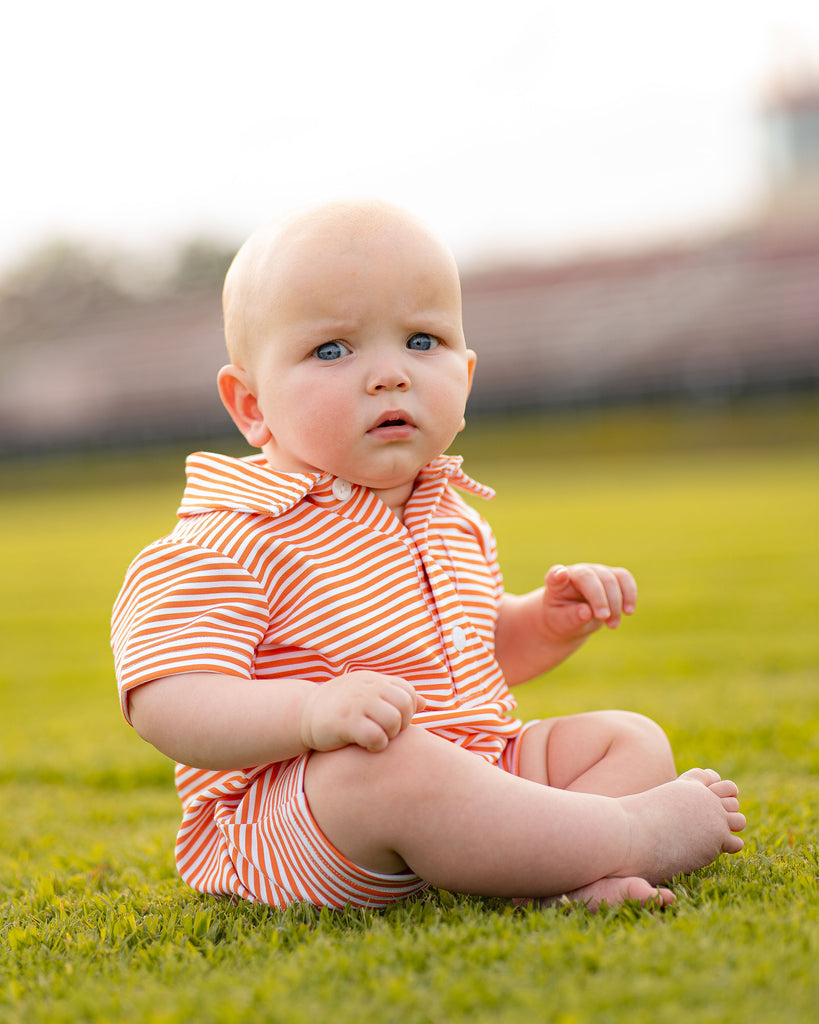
x: 717, y: 514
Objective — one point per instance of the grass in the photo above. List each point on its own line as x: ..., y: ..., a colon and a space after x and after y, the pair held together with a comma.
x: 717, y: 515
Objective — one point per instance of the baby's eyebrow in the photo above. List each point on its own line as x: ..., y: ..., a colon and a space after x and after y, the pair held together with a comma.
x: 327, y: 330
x: 434, y: 318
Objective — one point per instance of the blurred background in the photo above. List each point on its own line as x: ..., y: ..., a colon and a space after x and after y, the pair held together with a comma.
x: 631, y: 190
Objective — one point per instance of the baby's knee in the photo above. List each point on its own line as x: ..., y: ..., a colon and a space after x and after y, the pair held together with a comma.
x: 403, y: 765
x: 633, y: 723
x: 645, y: 734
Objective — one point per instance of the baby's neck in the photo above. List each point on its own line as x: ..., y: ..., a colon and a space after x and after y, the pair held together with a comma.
x: 396, y: 498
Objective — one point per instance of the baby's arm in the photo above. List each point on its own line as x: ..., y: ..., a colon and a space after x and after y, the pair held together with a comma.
x: 537, y: 631
x: 208, y: 720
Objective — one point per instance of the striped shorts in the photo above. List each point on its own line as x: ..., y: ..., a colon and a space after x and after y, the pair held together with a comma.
x: 283, y: 857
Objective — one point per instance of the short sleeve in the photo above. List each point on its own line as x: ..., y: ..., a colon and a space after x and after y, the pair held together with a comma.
x: 183, y: 608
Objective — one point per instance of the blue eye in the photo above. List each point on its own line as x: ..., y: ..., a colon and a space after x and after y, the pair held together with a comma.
x: 329, y: 351
x: 421, y: 342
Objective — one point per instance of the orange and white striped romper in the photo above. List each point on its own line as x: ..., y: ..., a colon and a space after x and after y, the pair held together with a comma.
x: 268, y: 575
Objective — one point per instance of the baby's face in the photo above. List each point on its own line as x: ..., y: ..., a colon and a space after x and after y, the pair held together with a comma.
x: 361, y: 369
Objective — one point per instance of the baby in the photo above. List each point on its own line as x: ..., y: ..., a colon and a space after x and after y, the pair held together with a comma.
x: 324, y: 645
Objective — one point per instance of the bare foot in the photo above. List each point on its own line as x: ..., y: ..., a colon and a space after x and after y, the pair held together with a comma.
x: 675, y: 828
x: 611, y: 891
x: 682, y: 826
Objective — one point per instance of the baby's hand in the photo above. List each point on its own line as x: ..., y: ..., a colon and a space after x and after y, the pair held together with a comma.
x: 577, y: 599
x: 367, y: 709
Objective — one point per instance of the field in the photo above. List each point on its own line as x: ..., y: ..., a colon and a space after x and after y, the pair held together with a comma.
x: 716, y: 512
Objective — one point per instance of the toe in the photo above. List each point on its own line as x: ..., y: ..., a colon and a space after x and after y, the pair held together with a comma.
x: 707, y: 776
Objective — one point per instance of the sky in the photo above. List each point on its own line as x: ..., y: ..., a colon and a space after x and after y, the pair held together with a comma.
x: 522, y: 128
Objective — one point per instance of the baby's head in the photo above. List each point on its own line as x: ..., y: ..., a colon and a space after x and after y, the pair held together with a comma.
x: 334, y: 319
x: 317, y: 240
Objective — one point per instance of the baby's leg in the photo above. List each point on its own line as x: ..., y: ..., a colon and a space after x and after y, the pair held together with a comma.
x: 465, y: 825
x: 615, y: 889
x: 611, y: 753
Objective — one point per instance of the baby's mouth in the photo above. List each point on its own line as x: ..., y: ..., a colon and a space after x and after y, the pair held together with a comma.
x: 395, y: 422
x: 393, y: 418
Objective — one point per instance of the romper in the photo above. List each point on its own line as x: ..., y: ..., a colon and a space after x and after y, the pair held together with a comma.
x: 268, y: 575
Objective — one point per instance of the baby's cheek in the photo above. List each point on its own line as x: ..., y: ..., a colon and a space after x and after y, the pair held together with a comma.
x: 328, y: 423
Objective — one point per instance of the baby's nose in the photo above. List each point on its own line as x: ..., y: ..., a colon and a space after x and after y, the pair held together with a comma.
x: 395, y: 385
x: 389, y: 377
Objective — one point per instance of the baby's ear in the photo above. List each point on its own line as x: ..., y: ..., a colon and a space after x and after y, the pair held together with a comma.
x: 470, y: 370
x: 239, y: 398
x: 471, y: 360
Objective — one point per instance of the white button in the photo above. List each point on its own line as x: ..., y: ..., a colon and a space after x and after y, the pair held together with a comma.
x: 342, y: 489
x: 458, y: 638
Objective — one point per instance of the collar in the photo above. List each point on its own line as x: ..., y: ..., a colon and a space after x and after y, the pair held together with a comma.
x: 221, y: 483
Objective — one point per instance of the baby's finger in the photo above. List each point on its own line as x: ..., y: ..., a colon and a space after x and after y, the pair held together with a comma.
x: 406, y: 697
x: 628, y: 588
x: 614, y: 594
x: 559, y: 581
x: 621, y: 593
x: 598, y: 586
x: 388, y: 717
x: 393, y: 704
x: 367, y: 733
